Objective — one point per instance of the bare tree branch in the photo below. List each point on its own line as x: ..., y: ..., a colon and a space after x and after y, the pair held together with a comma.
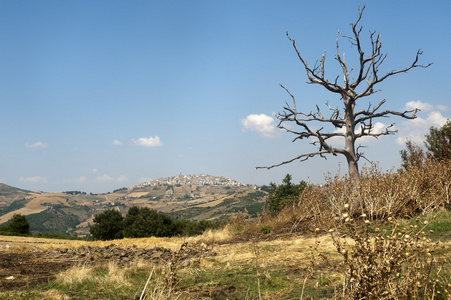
x: 346, y: 119
x: 302, y: 157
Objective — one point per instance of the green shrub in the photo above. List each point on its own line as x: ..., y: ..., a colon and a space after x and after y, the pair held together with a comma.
x: 284, y: 194
x: 266, y: 229
x: 108, y: 225
x: 18, y: 224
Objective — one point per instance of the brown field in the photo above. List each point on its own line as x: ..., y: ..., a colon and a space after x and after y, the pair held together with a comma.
x: 213, y: 203
x: 272, y: 259
x: 137, y: 194
x: 29, y: 250
x: 34, y: 206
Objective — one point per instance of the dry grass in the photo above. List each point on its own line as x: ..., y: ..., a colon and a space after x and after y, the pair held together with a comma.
x: 358, y: 259
x: 137, y: 194
x: 114, y: 275
x: 377, y: 194
x: 53, y: 294
x: 76, y: 275
x: 390, y: 264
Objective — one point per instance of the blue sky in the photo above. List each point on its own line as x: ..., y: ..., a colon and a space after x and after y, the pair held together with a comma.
x: 98, y: 95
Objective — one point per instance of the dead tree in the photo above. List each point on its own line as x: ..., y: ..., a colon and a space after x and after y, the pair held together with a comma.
x: 353, y: 124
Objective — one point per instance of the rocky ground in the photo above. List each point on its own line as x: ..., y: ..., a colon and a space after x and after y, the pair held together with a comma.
x: 24, y: 269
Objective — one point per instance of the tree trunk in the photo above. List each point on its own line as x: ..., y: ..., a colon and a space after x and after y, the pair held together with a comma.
x: 353, y: 167
x: 350, y: 154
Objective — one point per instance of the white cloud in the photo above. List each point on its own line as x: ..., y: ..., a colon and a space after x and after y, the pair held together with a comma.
x: 262, y: 124
x: 34, y: 179
x: 148, y: 142
x: 436, y: 119
x: 37, y: 145
x: 378, y: 127
x: 411, y: 105
x: 95, y: 171
x: 117, y: 143
x: 416, y: 129
x: 122, y: 178
x: 105, y: 178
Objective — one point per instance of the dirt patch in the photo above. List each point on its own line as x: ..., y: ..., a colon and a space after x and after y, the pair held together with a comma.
x: 29, y: 268
x: 124, y: 256
x: 25, y: 269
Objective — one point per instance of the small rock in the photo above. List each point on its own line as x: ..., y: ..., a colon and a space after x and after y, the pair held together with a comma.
x: 10, y: 278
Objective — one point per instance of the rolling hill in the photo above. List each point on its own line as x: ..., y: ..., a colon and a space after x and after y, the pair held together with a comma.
x: 207, y: 197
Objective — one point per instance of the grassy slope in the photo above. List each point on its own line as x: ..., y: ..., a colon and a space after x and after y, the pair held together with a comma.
x: 262, y: 267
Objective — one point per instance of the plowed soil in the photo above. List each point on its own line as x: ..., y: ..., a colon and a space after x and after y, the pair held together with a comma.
x: 24, y: 269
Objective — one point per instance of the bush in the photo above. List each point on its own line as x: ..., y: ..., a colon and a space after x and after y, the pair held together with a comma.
x: 145, y: 222
x: 266, y: 229
x: 108, y: 225
x: 379, y: 195
x: 387, y: 264
x: 438, y: 142
x: 18, y: 224
x: 284, y: 194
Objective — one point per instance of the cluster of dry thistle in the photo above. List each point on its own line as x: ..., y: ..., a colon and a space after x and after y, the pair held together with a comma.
x: 379, y: 195
x: 380, y: 258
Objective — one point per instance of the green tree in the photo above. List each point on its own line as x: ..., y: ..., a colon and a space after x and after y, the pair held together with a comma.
x: 18, y: 224
x: 185, y: 227
x: 108, y: 225
x: 438, y: 141
x: 145, y: 222
x: 284, y: 194
x: 412, y: 157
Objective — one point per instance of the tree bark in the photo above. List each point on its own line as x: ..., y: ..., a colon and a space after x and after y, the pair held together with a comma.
x: 350, y: 138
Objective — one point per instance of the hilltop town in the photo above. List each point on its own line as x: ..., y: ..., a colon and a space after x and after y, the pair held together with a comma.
x: 202, y: 179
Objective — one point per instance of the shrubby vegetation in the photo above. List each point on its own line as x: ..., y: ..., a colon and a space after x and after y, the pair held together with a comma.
x: 144, y: 222
x: 380, y: 226
x: 438, y: 145
x: 438, y: 142
x: 18, y: 224
x: 284, y: 194
x: 15, y: 205
x: 58, y: 219
x: 75, y: 193
x: 108, y: 225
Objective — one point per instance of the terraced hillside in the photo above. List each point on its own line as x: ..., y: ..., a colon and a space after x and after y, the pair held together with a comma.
x: 72, y: 212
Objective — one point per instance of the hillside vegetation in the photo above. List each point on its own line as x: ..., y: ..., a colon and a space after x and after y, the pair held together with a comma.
x: 386, y: 236
x: 72, y: 212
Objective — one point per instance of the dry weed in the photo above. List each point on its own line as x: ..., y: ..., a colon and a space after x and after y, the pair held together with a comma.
x: 115, y: 275
x: 212, y: 236
x: 55, y: 295
x: 395, y: 264
x: 379, y: 195
x: 165, y: 286
x: 76, y: 274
